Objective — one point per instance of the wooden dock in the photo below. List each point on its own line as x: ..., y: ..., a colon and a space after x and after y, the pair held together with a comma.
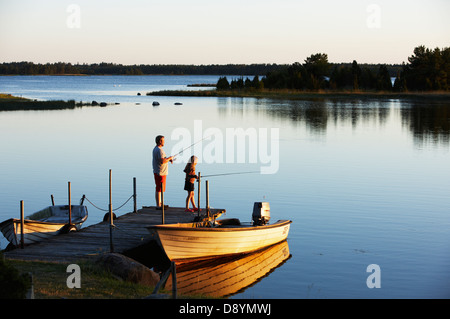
x: 129, y: 232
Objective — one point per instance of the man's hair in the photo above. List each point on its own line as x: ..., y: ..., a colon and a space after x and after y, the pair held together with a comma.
x: 158, y: 139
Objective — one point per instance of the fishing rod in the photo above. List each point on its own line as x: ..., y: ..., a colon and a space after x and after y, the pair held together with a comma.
x: 181, y: 152
x: 225, y: 174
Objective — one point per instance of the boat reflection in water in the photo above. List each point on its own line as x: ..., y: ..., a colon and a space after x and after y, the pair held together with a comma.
x: 224, y: 277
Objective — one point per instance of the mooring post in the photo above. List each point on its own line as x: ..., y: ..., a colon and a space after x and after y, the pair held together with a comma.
x: 70, y: 205
x: 111, y: 245
x: 162, y: 203
x: 199, y: 184
x: 207, y: 198
x: 174, y: 280
x: 134, y: 195
x: 22, y: 222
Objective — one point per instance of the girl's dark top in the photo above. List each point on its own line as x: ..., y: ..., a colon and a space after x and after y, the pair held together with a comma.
x: 190, y: 174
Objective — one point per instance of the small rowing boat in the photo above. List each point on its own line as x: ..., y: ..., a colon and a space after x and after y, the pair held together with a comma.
x: 44, y: 224
x: 210, y: 239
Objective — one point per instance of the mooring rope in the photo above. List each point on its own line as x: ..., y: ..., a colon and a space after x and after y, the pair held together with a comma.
x: 107, y: 210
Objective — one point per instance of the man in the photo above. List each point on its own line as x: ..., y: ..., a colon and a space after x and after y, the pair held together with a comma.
x: 160, y: 168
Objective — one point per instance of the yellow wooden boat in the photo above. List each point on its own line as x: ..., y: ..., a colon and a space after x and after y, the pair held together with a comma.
x: 210, y: 239
x: 224, y: 277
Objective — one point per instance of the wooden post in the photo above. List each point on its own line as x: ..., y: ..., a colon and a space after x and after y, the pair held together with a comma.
x: 174, y: 280
x: 53, y: 200
x: 162, y: 203
x: 207, y: 198
x: 22, y: 222
x: 70, y: 205
x: 134, y: 195
x: 199, y: 184
x: 111, y: 245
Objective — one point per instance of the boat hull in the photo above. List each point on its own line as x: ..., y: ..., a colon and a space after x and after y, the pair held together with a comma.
x: 224, y: 277
x: 39, y: 230
x: 185, y: 242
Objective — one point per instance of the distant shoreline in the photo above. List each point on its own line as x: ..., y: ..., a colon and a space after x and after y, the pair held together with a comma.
x: 9, y: 102
x: 298, y: 95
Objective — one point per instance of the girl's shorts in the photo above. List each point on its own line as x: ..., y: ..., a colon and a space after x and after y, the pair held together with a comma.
x: 188, y: 186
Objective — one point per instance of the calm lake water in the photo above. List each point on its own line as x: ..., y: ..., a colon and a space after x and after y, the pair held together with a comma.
x: 364, y: 181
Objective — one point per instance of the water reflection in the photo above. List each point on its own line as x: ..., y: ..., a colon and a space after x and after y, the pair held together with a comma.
x: 426, y: 120
x: 227, y: 276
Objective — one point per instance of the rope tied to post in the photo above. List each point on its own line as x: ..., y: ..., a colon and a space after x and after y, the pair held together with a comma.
x: 107, y: 210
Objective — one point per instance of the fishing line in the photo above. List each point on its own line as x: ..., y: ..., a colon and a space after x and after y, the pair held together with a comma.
x: 225, y: 174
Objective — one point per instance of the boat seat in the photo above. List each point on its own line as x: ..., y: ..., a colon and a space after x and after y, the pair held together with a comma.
x: 57, y: 219
x: 229, y: 222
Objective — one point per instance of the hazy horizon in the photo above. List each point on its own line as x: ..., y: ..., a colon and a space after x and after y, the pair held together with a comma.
x: 201, y: 32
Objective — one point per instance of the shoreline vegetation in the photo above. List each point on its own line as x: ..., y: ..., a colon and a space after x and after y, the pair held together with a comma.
x: 425, y: 76
x: 9, y: 102
x: 299, y: 95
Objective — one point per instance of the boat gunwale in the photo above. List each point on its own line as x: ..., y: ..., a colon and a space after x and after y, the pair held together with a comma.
x: 179, y: 227
x: 32, y: 221
x: 76, y: 219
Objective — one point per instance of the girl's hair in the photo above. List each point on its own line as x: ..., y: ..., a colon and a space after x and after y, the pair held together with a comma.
x: 190, y: 163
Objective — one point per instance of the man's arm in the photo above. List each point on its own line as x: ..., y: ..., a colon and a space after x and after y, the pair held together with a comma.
x: 162, y: 157
x: 166, y: 159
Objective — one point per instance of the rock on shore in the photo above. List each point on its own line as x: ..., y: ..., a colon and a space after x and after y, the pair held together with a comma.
x: 129, y: 269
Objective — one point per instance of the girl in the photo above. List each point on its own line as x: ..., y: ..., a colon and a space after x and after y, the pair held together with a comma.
x: 189, y: 183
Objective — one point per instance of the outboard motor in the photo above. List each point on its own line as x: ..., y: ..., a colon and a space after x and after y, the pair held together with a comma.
x: 261, y: 213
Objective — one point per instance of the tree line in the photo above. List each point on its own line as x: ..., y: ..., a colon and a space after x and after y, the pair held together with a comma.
x: 427, y: 70
x: 61, y: 68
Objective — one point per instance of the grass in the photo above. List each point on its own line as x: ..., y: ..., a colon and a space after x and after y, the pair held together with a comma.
x: 50, y: 282
x: 10, y: 98
x: 9, y: 102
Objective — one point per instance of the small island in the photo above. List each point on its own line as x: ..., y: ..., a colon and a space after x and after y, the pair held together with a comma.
x: 9, y: 102
x: 427, y: 75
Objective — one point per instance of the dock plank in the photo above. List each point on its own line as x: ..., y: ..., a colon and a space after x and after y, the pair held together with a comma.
x: 129, y: 231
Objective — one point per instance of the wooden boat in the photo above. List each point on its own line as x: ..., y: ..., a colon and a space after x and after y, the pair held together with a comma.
x: 43, y: 224
x: 210, y: 239
x: 224, y: 277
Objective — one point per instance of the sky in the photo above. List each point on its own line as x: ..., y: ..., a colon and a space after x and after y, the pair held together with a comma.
x: 219, y: 32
